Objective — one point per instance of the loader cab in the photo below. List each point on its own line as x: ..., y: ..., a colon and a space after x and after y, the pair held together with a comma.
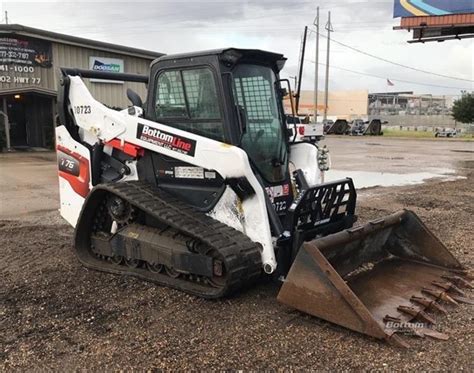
x: 229, y: 95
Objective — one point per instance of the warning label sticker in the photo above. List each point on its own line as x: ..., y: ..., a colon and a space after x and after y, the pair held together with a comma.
x: 189, y: 172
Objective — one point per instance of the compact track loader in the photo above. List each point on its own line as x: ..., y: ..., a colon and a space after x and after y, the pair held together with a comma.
x: 200, y: 189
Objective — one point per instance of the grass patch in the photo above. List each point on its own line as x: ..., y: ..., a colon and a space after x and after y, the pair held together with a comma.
x: 388, y: 132
x: 398, y: 133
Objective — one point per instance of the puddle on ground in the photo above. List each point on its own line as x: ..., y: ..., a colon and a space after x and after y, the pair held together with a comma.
x: 367, y: 179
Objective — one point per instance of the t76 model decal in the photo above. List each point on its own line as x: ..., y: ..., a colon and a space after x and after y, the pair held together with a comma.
x: 165, y: 139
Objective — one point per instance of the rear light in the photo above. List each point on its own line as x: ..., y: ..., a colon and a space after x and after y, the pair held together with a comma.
x: 301, y: 130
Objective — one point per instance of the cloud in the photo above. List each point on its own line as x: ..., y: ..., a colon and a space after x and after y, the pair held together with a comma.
x: 276, y: 25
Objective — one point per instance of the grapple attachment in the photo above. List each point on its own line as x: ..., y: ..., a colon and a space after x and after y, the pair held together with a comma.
x: 378, y: 279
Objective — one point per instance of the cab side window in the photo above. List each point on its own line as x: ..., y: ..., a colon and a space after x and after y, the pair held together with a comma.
x: 187, y: 99
x: 170, y: 101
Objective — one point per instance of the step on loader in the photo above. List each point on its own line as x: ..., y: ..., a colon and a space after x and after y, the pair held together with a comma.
x: 201, y: 188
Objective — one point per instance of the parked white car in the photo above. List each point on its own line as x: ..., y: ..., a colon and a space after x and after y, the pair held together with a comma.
x: 446, y: 132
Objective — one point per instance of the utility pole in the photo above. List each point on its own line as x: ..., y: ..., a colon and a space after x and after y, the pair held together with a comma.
x: 316, y: 66
x: 6, y: 17
x: 300, y: 70
x: 295, y: 78
x: 326, y: 93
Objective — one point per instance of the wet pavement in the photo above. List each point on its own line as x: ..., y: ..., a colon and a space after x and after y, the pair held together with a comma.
x: 368, y: 179
x: 397, y: 156
x: 28, y: 184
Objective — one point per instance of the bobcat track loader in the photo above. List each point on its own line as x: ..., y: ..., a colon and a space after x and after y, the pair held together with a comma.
x: 200, y: 189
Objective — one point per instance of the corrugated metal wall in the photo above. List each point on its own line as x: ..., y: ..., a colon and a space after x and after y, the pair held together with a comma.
x: 45, y: 74
x: 108, y: 93
x: 72, y: 56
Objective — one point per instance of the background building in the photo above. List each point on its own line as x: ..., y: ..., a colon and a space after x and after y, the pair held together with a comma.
x: 341, y: 104
x: 406, y: 109
x: 29, y: 73
x: 408, y: 103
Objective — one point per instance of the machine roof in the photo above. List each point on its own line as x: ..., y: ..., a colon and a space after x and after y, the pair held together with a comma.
x: 246, y: 53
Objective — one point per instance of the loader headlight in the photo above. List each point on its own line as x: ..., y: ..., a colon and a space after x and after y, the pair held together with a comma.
x: 324, y: 160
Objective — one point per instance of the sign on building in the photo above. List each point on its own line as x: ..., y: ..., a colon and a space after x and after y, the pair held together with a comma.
x: 416, y: 8
x: 25, y: 51
x: 105, y: 64
x: 22, y: 58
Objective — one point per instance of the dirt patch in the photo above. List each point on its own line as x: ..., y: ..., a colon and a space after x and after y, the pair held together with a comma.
x: 55, y: 314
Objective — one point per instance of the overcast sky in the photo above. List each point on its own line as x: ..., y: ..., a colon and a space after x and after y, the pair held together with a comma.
x: 184, y: 26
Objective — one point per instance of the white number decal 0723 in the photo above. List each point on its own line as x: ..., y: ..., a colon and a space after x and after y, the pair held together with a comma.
x: 280, y: 206
x: 82, y: 109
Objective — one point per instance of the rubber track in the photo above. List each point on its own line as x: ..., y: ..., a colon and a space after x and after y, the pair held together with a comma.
x: 240, y: 255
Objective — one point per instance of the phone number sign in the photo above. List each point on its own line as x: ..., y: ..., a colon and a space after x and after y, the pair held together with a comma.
x: 25, y: 51
x: 22, y: 58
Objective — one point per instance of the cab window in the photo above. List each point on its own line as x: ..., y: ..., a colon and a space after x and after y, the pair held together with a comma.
x: 187, y: 99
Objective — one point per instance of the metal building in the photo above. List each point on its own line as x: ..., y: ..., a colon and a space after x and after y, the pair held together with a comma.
x: 29, y: 73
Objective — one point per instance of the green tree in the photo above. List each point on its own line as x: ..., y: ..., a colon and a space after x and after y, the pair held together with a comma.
x: 463, y: 109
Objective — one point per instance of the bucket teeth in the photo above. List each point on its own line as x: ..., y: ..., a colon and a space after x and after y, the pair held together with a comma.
x: 396, y: 340
x: 448, y: 286
x: 460, y: 299
x: 429, y: 304
x: 417, y: 332
x: 440, y: 295
x: 418, y: 314
x: 468, y: 274
x: 459, y: 281
x: 434, y: 334
x: 402, y: 327
x: 389, y: 318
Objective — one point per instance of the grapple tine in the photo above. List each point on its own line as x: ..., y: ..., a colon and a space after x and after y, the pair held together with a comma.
x: 429, y: 304
x: 448, y: 286
x: 459, y: 281
x: 440, y: 295
x: 417, y: 314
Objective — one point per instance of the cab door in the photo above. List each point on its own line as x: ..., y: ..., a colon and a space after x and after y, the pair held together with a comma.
x: 187, y: 98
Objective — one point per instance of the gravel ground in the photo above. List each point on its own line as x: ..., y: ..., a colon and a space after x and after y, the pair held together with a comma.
x: 55, y: 314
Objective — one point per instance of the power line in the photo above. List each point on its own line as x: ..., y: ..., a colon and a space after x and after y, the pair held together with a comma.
x: 399, y: 64
x: 394, y: 79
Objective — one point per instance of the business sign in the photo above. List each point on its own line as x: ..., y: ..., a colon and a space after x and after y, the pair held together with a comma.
x: 25, y: 51
x: 417, y: 8
x: 105, y: 64
x: 22, y: 59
